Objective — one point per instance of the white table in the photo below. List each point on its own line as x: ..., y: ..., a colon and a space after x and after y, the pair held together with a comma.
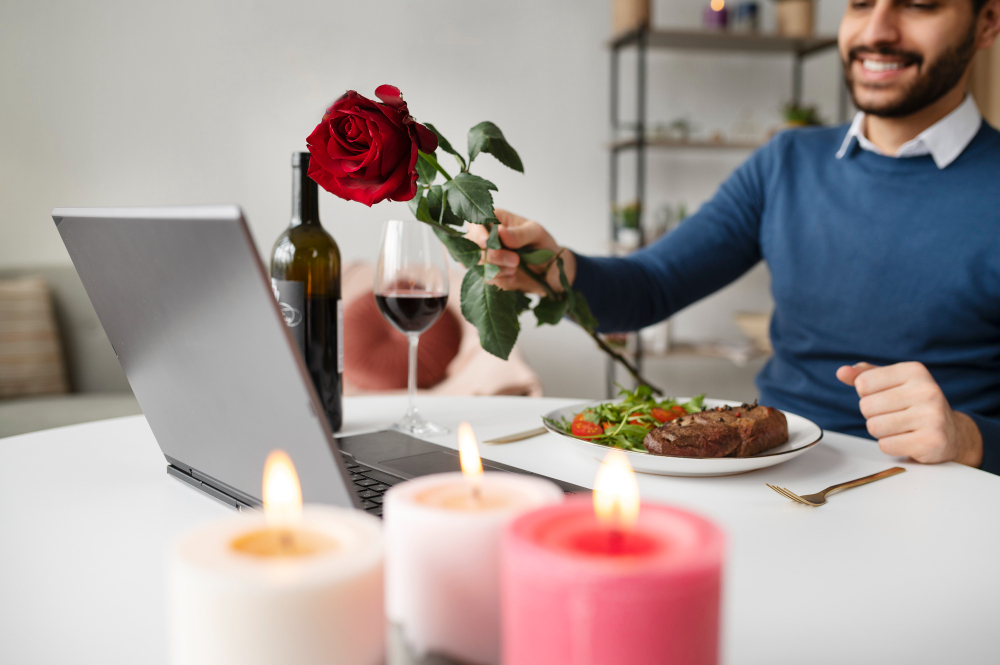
x: 901, y: 571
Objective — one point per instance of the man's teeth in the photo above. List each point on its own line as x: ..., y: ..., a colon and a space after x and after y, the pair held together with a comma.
x: 880, y: 65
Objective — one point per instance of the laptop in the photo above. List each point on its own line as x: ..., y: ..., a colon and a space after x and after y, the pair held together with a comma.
x: 188, y: 307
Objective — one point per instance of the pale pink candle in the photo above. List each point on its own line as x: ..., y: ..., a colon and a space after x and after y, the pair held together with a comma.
x: 575, y: 590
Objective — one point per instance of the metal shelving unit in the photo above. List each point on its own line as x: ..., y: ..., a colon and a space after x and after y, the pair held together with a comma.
x: 645, y: 39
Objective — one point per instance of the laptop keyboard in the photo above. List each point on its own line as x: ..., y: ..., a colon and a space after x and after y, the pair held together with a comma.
x: 370, y: 485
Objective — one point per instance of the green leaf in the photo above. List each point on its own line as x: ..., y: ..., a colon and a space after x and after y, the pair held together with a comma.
x: 434, y: 196
x: 462, y: 249
x: 535, y: 257
x: 447, y: 230
x: 578, y: 307
x: 563, y: 280
x: 493, y: 242
x: 419, y: 208
x: 550, y: 310
x: 414, y: 203
x: 522, y: 302
x: 445, y: 145
x: 487, y: 137
x: 444, y: 206
x: 580, y: 310
x: 492, y: 311
x: 426, y: 171
x: 696, y: 404
x: 469, y: 197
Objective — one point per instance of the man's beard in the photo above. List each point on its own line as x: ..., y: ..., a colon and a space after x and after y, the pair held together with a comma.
x: 941, y: 76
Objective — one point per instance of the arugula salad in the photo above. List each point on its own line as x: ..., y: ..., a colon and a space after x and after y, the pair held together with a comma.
x: 625, y: 423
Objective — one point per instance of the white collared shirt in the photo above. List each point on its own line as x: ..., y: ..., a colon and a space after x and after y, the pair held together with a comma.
x: 944, y: 141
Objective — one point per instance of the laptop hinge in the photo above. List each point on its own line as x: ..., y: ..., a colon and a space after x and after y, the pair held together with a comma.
x: 204, y: 484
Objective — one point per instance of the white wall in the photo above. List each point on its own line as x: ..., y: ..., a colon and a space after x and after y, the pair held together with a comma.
x: 124, y: 102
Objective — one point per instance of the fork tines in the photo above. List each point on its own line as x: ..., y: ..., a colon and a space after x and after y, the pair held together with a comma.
x: 788, y: 495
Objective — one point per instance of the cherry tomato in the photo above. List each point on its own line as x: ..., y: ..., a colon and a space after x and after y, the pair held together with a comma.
x: 585, y: 428
x: 661, y: 414
x: 665, y: 416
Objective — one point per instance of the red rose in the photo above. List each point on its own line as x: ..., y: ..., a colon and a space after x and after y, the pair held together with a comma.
x: 366, y: 151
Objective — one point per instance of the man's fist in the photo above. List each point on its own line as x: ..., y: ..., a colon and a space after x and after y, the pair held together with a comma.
x: 517, y: 232
x: 910, y: 416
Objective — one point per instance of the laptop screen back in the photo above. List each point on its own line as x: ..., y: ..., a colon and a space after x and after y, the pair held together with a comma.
x: 187, y: 305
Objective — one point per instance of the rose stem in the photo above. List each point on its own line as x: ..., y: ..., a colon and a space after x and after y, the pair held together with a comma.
x: 600, y: 342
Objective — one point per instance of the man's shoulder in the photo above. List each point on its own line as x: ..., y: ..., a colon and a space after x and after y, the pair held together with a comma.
x: 985, y: 144
x: 808, y: 139
x: 791, y: 148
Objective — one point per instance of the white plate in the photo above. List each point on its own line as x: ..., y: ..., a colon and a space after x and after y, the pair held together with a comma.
x: 803, y: 434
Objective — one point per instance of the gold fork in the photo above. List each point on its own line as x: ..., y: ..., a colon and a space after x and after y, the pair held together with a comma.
x: 819, y: 498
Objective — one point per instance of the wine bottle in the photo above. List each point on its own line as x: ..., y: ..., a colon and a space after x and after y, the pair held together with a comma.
x: 305, y: 276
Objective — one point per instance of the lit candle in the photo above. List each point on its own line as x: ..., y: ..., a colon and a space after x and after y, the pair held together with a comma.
x: 442, y: 536
x: 716, y: 15
x: 606, y: 583
x: 293, y: 585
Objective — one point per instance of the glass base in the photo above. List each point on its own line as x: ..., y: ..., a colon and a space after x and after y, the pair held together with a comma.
x: 416, y: 425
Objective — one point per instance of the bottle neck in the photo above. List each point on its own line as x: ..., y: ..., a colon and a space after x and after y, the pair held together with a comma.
x: 305, y: 197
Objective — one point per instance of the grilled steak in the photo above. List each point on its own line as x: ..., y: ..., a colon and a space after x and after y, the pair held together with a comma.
x: 725, y: 431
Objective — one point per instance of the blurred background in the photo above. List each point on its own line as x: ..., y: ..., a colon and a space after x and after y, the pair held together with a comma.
x: 126, y: 102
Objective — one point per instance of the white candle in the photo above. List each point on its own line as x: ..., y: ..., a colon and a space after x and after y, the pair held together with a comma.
x: 442, y: 537
x: 304, y: 587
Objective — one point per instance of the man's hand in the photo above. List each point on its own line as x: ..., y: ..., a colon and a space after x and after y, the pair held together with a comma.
x: 517, y: 232
x: 910, y: 416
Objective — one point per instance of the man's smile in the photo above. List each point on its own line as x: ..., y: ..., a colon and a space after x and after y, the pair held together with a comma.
x: 870, y: 67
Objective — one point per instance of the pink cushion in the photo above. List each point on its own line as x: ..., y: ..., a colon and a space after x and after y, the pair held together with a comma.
x: 375, y: 353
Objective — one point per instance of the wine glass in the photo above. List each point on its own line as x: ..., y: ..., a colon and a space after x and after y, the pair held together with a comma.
x: 411, y: 291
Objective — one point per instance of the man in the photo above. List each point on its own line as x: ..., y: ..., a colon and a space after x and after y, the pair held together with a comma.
x: 883, y: 241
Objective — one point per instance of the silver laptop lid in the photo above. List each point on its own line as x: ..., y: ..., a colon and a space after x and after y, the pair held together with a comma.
x: 188, y: 307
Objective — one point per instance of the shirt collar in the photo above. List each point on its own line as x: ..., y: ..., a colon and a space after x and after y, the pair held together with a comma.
x: 944, y: 141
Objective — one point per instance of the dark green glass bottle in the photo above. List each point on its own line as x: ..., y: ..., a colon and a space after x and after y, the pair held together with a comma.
x: 305, y: 276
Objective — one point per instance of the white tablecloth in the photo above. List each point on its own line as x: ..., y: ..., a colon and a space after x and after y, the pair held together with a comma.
x: 901, y: 571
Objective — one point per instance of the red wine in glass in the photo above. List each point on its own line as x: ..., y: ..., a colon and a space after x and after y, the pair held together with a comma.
x: 411, y: 311
x: 411, y: 291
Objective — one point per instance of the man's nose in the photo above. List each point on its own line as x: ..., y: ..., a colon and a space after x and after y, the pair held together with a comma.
x: 882, y: 26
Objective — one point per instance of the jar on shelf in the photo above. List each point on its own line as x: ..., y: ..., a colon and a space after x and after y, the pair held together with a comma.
x: 796, y: 18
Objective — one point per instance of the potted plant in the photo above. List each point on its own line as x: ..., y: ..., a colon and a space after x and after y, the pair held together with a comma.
x: 801, y: 116
x: 627, y: 220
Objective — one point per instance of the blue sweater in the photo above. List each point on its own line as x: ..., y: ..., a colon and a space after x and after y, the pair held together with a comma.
x: 872, y: 258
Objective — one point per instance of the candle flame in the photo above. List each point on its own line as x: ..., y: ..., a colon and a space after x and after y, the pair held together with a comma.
x: 282, y: 492
x: 616, y: 492
x: 468, y: 452
x: 717, y: 5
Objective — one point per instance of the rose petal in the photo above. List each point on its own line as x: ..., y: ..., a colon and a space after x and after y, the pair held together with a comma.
x: 390, y: 96
x: 398, y: 180
x: 395, y: 145
x: 426, y: 139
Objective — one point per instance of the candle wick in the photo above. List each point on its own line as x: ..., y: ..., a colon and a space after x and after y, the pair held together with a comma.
x: 476, y: 494
x: 615, y: 540
x: 286, y: 539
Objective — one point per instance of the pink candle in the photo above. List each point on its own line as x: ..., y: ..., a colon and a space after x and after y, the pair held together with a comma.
x: 575, y: 589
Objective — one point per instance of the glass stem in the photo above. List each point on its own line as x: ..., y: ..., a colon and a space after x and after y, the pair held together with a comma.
x: 411, y: 381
